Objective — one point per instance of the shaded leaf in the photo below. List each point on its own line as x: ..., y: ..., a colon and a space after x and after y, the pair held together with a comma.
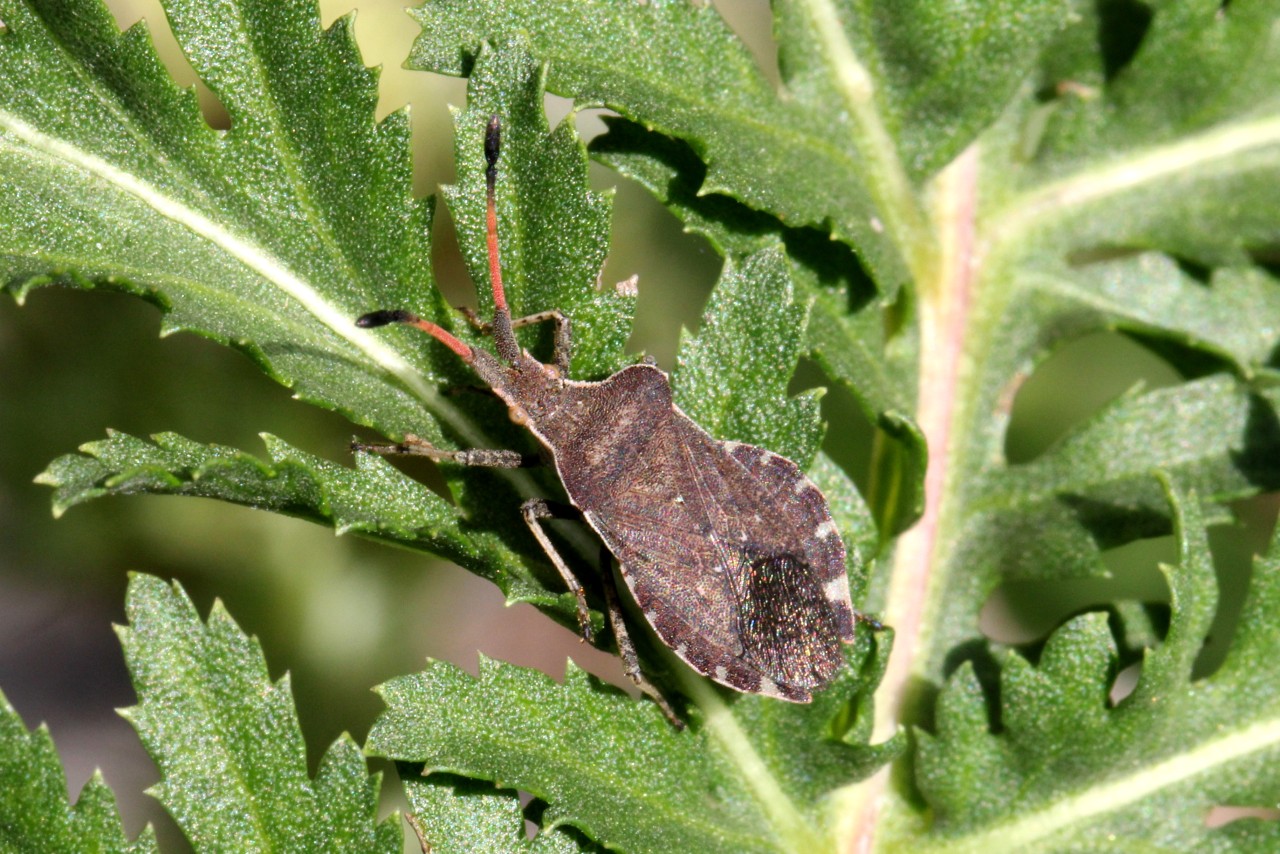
x: 374, y: 499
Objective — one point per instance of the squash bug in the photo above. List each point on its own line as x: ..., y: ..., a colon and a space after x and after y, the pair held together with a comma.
x: 729, y: 550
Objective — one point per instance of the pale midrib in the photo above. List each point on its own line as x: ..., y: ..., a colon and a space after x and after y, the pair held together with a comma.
x: 1062, y: 287
x: 246, y: 252
x: 1119, y: 793
x: 1217, y: 146
x: 287, y: 155
x: 734, y: 743
x: 257, y: 259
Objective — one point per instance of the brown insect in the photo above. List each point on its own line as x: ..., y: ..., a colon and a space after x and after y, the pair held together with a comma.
x: 728, y: 549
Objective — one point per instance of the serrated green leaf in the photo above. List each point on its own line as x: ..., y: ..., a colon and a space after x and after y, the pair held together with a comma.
x: 1053, y: 517
x: 856, y: 77
x: 553, y: 231
x: 1069, y: 768
x: 457, y: 814
x: 373, y: 500
x: 226, y: 738
x: 269, y: 237
x: 751, y: 777
x: 1151, y: 295
x: 509, y: 726
x: 732, y: 377
x: 35, y: 814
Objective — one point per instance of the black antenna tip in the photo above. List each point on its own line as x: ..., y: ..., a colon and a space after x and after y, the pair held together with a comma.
x: 374, y: 319
x: 492, y: 140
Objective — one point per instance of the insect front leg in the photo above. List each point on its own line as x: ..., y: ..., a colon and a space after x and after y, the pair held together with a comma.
x: 417, y: 447
x: 562, y: 334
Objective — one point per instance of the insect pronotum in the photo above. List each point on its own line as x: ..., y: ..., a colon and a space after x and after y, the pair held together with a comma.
x: 729, y: 550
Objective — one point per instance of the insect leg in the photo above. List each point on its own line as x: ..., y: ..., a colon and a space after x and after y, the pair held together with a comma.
x: 627, y: 649
x: 535, y: 510
x: 563, y: 340
x: 418, y: 447
x: 872, y: 623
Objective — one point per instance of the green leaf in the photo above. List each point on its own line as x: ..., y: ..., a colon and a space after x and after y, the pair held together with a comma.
x: 1150, y: 295
x: 463, y: 815
x: 269, y: 237
x: 35, y: 814
x: 750, y: 777
x: 511, y: 726
x: 226, y: 738
x: 373, y: 500
x: 553, y: 231
x: 171, y: 464
x: 1069, y: 768
x: 732, y: 377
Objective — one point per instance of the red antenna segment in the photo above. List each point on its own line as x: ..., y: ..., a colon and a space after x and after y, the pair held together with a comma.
x: 503, y: 336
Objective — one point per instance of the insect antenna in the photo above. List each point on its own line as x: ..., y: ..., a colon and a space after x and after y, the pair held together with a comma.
x: 503, y: 336
x: 385, y: 317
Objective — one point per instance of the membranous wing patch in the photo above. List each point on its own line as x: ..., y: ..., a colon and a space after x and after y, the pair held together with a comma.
x: 785, y: 618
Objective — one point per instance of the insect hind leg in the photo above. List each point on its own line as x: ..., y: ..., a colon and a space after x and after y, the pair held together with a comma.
x: 627, y: 649
x: 538, y: 510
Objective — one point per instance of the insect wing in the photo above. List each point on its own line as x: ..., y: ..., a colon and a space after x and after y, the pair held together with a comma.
x: 784, y: 619
x: 792, y: 602
x: 732, y: 554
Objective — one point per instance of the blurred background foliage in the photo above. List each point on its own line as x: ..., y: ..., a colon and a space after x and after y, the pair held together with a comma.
x: 339, y: 614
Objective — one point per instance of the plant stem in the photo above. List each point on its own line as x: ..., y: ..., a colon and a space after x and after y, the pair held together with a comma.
x: 944, y: 306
